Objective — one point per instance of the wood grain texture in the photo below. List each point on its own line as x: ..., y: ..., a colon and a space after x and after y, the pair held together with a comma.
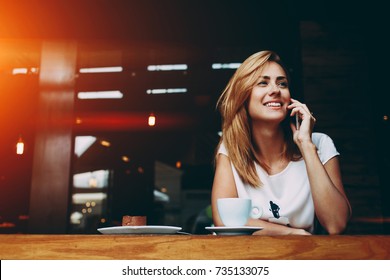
x: 187, y: 247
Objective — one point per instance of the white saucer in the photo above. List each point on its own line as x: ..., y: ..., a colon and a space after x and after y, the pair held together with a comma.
x: 233, y: 230
x: 139, y: 230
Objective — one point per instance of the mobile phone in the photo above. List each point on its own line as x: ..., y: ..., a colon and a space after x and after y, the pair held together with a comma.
x: 295, y: 120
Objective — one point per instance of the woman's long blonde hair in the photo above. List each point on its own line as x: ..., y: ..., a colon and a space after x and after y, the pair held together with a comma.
x: 236, y: 124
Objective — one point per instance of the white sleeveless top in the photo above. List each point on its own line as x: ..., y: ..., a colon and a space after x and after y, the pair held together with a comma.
x: 285, y: 198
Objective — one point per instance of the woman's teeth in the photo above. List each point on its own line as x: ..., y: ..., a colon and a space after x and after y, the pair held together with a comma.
x: 273, y: 104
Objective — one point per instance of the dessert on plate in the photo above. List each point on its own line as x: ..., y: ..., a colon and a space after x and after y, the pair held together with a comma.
x: 133, y: 220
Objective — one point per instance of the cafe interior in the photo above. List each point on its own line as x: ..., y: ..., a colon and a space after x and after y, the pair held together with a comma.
x: 108, y: 108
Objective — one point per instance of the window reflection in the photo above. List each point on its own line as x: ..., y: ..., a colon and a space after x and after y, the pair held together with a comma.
x: 89, y: 201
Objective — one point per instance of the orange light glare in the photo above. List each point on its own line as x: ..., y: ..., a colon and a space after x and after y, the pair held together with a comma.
x: 20, y: 147
x: 105, y: 143
x: 125, y: 158
x: 178, y: 164
x: 152, y: 120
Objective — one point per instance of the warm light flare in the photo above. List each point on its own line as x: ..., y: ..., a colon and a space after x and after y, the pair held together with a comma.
x: 17, y: 71
x: 125, y: 159
x: 152, y: 120
x: 25, y: 71
x: 20, y: 146
x: 105, y: 143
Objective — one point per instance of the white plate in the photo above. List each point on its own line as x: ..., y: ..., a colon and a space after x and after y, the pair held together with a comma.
x: 234, y: 230
x: 139, y: 230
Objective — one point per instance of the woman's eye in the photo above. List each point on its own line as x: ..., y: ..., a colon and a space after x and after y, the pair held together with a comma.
x: 283, y: 84
x: 262, y: 83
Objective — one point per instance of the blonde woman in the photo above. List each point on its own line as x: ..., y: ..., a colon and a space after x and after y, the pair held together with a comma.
x: 291, y: 172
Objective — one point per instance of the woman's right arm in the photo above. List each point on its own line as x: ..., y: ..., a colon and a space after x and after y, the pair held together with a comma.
x: 275, y: 229
x: 224, y: 186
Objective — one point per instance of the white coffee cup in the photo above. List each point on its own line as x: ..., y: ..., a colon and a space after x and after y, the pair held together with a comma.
x: 235, y: 212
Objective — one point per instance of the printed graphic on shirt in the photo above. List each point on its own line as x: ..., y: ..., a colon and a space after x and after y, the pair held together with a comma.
x: 274, y: 208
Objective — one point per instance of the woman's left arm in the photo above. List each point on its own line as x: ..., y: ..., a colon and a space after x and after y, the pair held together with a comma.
x: 330, y: 201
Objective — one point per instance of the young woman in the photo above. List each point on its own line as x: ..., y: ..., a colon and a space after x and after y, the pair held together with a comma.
x: 291, y: 172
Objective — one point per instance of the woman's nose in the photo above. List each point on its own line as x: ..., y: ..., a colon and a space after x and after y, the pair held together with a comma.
x: 274, y: 89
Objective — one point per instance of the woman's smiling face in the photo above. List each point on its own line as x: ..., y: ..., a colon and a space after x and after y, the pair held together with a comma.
x: 270, y: 96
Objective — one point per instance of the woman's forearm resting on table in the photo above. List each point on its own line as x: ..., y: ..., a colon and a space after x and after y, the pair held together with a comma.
x: 275, y: 229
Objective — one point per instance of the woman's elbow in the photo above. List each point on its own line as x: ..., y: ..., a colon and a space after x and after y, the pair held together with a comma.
x: 338, y: 224
x: 337, y: 228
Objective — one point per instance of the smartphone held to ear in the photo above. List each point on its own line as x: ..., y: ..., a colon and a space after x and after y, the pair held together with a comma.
x: 295, y: 120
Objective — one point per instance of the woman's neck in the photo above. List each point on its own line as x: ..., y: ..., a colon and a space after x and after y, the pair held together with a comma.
x: 269, y: 144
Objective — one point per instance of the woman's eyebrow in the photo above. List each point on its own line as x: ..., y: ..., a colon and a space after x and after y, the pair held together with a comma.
x: 277, y: 78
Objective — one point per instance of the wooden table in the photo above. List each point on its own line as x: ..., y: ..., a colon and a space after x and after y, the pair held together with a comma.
x: 189, y: 247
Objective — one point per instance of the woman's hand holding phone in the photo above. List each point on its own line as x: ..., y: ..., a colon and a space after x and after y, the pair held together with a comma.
x: 304, y: 121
